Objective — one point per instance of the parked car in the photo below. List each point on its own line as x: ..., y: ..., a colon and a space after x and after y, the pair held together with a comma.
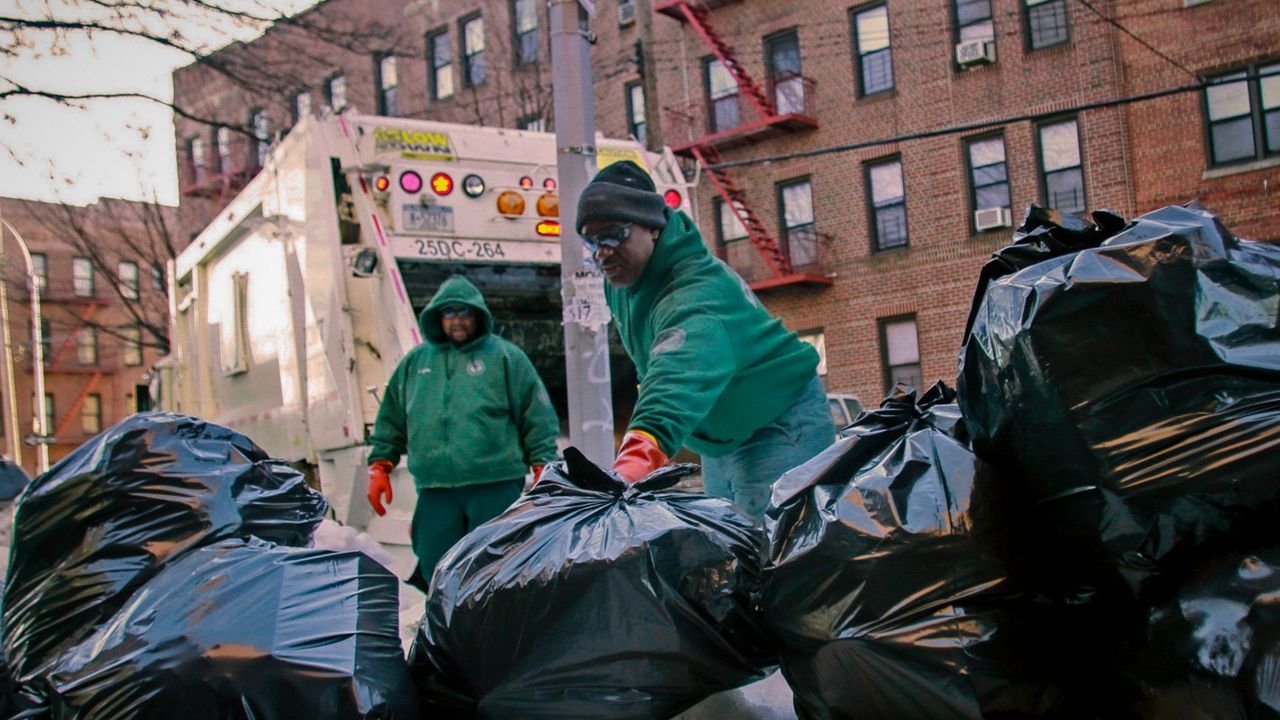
x: 13, y: 480
x: 844, y: 408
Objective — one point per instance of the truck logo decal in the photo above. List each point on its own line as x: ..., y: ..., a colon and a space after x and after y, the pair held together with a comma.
x: 475, y: 367
x: 414, y: 144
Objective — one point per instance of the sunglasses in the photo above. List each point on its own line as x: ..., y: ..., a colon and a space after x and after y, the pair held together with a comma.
x: 610, y: 237
x: 456, y: 312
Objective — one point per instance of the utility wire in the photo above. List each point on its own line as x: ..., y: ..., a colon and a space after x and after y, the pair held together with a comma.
x: 970, y: 127
x: 1117, y: 25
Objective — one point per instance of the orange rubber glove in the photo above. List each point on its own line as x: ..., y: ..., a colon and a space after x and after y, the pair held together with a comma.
x: 380, y: 485
x: 537, y: 473
x: 638, y: 456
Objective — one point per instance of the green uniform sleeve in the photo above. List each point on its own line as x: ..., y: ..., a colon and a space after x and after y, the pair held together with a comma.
x: 535, y: 417
x: 690, y: 364
x: 389, y: 430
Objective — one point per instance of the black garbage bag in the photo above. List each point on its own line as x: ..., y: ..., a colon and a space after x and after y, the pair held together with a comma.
x: 110, y: 515
x: 1129, y: 377
x: 246, y: 630
x: 884, y: 585
x: 1213, y: 650
x: 589, y: 598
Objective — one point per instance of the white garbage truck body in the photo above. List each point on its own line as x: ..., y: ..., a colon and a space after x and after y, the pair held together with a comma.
x: 292, y: 308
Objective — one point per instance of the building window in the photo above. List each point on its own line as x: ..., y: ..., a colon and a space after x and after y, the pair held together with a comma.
x: 132, y: 339
x: 40, y: 268
x: 440, y: 55
x: 973, y: 20
x: 91, y: 413
x: 46, y: 341
x: 783, y: 55
x: 223, y: 140
x: 472, y: 31
x: 301, y: 106
x: 524, y: 15
x: 1046, y: 23
x: 533, y: 123
x: 82, y: 277
x: 988, y: 173
x: 48, y: 414
x: 388, y: 85
x: 127, y: 272
x: 335, y: 91
x: 818, y: 339
x: 1244, y: 115
x: 261, y: 125
x: 722, y: 96
x: 196, y: 148
x: 874, y: 56
x: 157, y: 278
x: 888, y: 203
x: 729, y: 226
x: 1061, y: 173
x: 635, y: 112
x: 900, y: 352
x: 626, y: 12
x: 87, y: 346
x: 798, y: 231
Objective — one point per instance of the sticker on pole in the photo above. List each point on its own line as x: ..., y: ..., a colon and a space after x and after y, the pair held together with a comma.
x: 584, y: 302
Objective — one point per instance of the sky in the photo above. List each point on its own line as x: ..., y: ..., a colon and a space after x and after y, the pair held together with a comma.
x: 112, y: 148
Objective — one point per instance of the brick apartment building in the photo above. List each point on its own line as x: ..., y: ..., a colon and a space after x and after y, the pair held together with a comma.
x: 872, y: 251
x: 95, y: 282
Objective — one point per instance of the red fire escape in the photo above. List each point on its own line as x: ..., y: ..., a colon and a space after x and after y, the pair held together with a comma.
x: 233, y: 166
x: 708, y: 126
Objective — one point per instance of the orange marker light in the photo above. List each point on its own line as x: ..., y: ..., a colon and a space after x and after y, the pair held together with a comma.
x: 510, y: 202
x: 549, y: 205
x: 549, y: 228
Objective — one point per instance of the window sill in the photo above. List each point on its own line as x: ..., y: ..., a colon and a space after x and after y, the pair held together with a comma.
x: 878, y: 95
x: 1228, y: 170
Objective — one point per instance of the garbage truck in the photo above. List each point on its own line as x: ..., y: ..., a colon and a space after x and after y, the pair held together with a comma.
x: 290, y: 310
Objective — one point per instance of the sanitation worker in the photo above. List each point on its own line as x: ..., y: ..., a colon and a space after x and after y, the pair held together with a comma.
x: 718, y: 374
x: 471, y: 414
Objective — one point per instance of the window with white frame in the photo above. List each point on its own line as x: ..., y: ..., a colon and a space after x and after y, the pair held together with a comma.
x: 524, y: 14
x: 1061, y: 170
x: 261, y: 125
x: 874, y: 52
x: 87, y: 346
x: 988, y: 173
x: 888, y: 203
x: 1242, y: 111
x: 636, y: 124
x: 91, y: 413
x: 197, y: 150
x: 335, y: 91
x: 900, y: 348
x: 223, y: 138
x: 798, y: 230
x: 82, y: 277
x: 301, y: 106
x: 473, y: 69
x: 722, y: 97
x: 1046, y: 23
x: 131, y: 339
x: 127, y: 272
x: 440, y: 57
x: 40, y: 268
x: 388, y: 86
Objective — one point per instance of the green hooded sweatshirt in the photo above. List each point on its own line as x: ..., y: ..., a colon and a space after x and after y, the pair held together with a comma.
x: 714, y: 365
x: 466, y: 415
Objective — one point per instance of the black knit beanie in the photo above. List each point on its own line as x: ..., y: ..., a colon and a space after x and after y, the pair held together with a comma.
x: 624, y: 192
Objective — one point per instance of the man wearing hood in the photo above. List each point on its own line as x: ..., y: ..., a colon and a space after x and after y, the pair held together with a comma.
x: 718, y: 374
x: 471, y: 413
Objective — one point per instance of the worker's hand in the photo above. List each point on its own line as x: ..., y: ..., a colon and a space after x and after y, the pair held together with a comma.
x: 380, y: 485
x: 537, y: 473
x: 638, y: 456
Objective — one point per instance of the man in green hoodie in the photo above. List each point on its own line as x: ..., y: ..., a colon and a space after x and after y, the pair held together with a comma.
x: 718, y: 374
x: 471, y: 413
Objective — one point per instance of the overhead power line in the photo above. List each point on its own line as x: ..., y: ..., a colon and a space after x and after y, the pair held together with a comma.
x: 982, y: 125
x: 1117, y: 25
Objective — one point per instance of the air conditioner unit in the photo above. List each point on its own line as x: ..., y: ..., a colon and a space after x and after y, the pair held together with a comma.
x: 992, y: 218
x: 975, y: 52
x: 626, y: 12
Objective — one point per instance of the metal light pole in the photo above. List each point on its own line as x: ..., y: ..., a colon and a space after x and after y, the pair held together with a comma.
x: 586, y: 333
x: 37, y: 335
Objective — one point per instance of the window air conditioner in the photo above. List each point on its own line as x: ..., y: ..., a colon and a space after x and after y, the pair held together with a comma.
x: 992, y: 218
x: 975, y: 52
x: 626, y: 12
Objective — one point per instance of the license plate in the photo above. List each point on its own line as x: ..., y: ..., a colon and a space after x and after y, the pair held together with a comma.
x: 428, y: 218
